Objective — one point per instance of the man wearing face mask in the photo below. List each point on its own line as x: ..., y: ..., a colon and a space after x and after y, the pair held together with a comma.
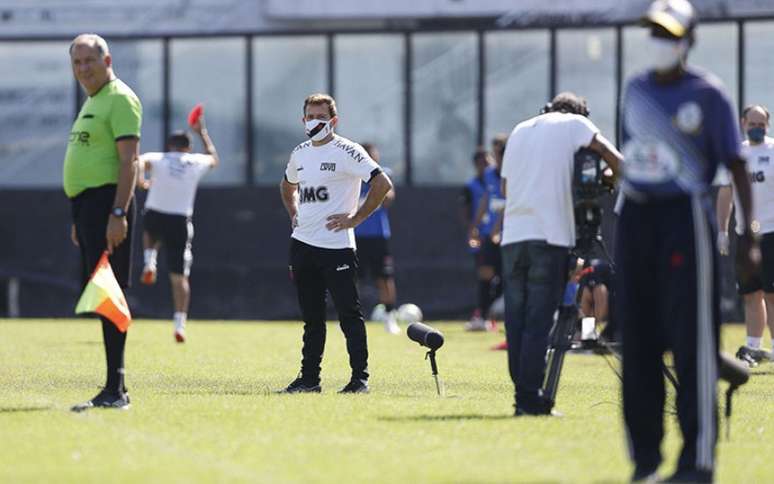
x: 758, y: 289
x: 320, y: 192
x: 677, y: 126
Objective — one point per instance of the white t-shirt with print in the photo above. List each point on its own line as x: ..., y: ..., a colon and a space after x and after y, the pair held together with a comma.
x: 538, y: 167
x: 760, y: 168
x: 174, y: 179
x: 328, y: 179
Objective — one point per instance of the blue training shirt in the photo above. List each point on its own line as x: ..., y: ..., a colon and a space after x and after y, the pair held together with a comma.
x: 675, y: 134
x: 378, y: 223
x: 493, y: 182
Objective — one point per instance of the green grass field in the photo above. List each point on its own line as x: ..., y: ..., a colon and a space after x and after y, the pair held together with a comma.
x: 205, y: 412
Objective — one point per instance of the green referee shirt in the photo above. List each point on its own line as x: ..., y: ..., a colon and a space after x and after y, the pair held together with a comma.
x: 114, y: 112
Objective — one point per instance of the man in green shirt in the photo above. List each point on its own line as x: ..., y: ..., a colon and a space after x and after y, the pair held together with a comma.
x: 100, y: 169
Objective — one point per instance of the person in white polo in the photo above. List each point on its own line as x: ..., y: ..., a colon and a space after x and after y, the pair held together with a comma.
x: 321, y: 191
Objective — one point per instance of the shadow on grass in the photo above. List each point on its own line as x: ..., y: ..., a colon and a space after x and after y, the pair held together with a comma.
x: 443, y: 418
x: 24, y: 409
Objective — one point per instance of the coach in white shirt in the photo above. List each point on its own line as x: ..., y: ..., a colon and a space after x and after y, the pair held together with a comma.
x: 538, y: 233
x: 321, y: 192
x: 757, y: 289
x: 175, y: 175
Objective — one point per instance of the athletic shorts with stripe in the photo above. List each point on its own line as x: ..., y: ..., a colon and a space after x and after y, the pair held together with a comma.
x: 175, y: 232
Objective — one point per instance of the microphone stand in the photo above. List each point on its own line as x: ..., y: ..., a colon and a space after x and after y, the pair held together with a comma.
x: 434, y: 368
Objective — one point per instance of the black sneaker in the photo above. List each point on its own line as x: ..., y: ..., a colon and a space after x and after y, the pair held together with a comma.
x: 355, y: 386
x: 645, y: 477
x: 299, y: 385
x: 105, y: 399
x: 745, y: 354
x: 760, y: 355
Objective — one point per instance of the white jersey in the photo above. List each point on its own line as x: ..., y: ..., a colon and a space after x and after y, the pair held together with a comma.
x: 174, y: 178
x: 538, y: 168
x: 328, y: 179
x: 760, y: 168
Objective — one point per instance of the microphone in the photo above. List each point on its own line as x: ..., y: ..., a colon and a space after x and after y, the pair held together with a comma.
x: 425, y: 335
x: 732, y: 371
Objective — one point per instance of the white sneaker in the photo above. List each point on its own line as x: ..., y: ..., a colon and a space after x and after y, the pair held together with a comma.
x: 179, y: 332
x: 476, y: 323
x: 180, y: 335
x: 379, y: 313
x: 391, y: 322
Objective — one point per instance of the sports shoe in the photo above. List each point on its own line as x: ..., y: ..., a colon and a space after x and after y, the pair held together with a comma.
x: 355, y: 386
x: 379, y: 313
x: 645, y: 476
x: 760, y: 355
x: 104, y: 399
x: 148, y: 275
x: 180, y: 335
x: 500, y: 346
x: 299, y: 385
x: 745, y: 354
x: 522, y: 412
x: 476, y: 323
x: 391, y: 322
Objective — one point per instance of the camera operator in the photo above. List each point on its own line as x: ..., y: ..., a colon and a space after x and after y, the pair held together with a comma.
x: 538, y: 232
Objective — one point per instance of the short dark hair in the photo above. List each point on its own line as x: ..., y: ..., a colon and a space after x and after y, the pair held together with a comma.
x: 749, y: 108
x: 569, y: 102
x: 498, y: 143
x: 179, y: 140
x: 480, y: 152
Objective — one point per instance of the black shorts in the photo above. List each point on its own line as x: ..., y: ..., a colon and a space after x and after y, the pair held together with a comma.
x: 374, y: 256
x: 90, y: 211
x: 763, y: 280
x: 175, y: 232
x: 489, y: 255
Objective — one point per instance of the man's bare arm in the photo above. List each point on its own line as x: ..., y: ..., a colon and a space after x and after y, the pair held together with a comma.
x: 289, y: 193
x: 117, y: 227
x: 380, y: 185
x: 608, y: 152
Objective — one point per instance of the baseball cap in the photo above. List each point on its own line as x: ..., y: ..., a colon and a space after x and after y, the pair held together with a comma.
x: 677, y: 16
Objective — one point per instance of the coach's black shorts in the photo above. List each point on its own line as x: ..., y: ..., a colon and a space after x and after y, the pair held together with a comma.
x: 764, y: 278
x: 175, y: 232
x: 489, y: 255
x: 374, y: 256
x: 90, y: 211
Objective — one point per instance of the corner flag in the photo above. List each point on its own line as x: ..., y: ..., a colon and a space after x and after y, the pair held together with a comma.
x: 103, y: 295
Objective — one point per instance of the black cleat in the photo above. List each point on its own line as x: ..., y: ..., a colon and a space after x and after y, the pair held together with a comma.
x: 355, y: 386
x: 745, y: 354
x: 299, y: 385
x: 105, y: 399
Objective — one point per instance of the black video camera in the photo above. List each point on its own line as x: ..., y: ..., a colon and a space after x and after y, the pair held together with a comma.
x: 588, y: 185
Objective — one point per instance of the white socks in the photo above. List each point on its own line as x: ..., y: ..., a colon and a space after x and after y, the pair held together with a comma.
x: 754, y: 343
x: 180, y: 318
x: 150, y: 258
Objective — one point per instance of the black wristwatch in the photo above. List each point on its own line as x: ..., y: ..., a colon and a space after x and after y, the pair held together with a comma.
x: 118, y: 212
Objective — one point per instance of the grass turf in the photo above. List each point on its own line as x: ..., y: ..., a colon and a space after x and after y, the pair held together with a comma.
x: 204, y: 412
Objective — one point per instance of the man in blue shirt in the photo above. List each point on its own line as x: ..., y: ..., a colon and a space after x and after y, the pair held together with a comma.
x: 678, y: 125
x: 373, y: 251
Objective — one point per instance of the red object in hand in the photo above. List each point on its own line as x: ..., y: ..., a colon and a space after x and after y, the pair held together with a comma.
x: 195, y: 114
